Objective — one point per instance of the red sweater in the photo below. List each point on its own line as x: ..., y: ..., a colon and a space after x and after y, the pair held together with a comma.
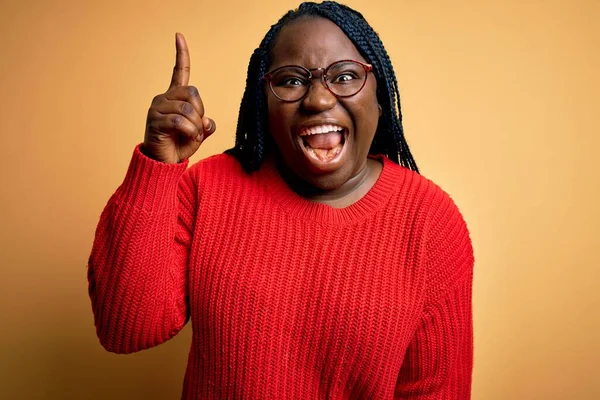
x: 288, y: 298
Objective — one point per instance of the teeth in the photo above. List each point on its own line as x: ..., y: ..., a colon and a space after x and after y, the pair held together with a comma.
x: 315, y: 130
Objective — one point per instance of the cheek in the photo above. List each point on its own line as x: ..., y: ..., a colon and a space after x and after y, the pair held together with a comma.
x: 371, y: 92
x: 367, y: 115
x: 275, y: 116
x: 279, y: 119
x: 280, y: 114
x: 368, y: 100
x: 365, y: 111
x: 271, y: 110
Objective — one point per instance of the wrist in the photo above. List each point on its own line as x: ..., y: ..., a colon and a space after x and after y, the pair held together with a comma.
x: 146, y: 152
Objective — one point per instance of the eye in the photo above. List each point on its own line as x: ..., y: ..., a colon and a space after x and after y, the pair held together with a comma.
x: 344, y: 77
x: 289, y: 81
x: 291, y: 77
x: 292, y: 81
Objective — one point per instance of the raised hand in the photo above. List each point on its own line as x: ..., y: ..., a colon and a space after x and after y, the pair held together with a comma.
x: 176, y: 125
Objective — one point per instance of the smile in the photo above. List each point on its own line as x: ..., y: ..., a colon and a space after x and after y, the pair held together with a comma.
x: 323, y: 143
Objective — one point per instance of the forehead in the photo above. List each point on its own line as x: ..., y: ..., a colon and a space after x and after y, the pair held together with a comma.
x: 312, y: 43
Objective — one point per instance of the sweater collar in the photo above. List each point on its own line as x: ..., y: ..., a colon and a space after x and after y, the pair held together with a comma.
x: 299, y: 207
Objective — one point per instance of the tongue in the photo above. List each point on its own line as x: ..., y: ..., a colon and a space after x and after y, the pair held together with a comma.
x: 324, y: 140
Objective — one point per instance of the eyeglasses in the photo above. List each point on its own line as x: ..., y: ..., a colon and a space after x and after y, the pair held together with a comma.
x: 343, y: 78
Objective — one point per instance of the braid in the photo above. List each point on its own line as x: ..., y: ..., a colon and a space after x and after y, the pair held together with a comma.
x: 253, y: 140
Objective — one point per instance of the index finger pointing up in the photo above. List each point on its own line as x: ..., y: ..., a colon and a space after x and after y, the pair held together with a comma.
x: 181, y: 71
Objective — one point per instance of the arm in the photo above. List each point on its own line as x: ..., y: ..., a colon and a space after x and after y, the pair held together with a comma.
x: 137, y: 270
x: 439, y: 360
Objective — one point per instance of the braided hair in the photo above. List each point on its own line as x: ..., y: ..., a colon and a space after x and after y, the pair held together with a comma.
x: 253, y: 140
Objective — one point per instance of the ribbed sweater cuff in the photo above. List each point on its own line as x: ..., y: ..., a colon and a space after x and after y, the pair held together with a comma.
x: 150, y: 184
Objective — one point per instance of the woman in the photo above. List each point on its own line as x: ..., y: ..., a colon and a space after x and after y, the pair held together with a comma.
x: 311, y: 264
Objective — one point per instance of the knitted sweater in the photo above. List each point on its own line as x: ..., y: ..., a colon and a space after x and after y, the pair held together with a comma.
x: 288, y: 298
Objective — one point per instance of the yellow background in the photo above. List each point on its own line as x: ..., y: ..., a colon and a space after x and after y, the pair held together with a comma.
x: 500, y: 99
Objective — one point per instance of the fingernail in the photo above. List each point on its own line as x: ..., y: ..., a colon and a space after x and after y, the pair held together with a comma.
x: 208, y: 125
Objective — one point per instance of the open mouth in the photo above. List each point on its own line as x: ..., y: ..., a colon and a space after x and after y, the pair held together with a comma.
x: 324, y: 143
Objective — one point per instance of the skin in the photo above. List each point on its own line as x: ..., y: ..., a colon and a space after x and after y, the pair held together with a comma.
x: 176, y: 125
x: 315, y: 43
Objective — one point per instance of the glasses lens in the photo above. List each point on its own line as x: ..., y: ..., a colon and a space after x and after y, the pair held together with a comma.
x: 346, y: 78
x: 290, y: 83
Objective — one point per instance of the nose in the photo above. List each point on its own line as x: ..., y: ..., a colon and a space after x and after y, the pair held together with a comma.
x: 318, y: 98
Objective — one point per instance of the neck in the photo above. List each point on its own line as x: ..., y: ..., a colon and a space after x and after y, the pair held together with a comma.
x: 351, y: 191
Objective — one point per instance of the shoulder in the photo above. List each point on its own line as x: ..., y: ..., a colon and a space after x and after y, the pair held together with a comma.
x: 433, y: 207
x: 217, y: 173
x: 448, y: 246
x: 412, y: 187
x: 216, y: 168
x: 217, y: 161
